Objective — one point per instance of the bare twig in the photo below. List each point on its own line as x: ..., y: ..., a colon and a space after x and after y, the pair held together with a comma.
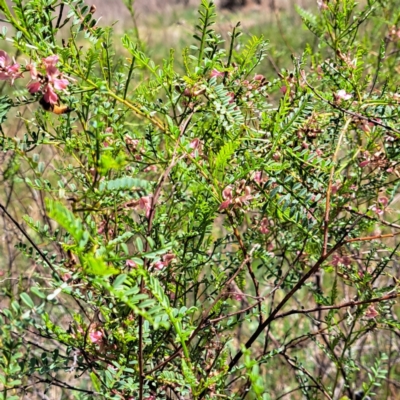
x: 339, y: 306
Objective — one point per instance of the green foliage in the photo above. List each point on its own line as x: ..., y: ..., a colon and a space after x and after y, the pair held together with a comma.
x: 199, y: 234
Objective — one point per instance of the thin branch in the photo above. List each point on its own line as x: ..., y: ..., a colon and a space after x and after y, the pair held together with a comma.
x: 295, y: 288
x: 353, y: 114
x: 293, y: 364
x: 369, y: 238
x: 329, y: 190
x: 215, y: 320
x: 22, y: 230
x: 60, y: 16
x: 339, y: 306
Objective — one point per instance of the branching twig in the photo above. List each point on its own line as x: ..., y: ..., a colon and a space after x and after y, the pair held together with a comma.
x: 339, y: 306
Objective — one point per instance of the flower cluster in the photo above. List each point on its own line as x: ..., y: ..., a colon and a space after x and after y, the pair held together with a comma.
x: 379, y: 207
x: 341, y: 95
x: 9, y: 69
x: 164, y: 262
x: 49, y: 82
x: 341, y: 260
x: 235, y: 196
x: 144, y: 203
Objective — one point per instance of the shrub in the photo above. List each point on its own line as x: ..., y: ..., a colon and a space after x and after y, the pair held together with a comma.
x: 204, y: 234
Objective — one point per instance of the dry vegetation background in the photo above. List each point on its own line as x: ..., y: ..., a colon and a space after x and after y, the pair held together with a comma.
x: 162, y: 24
x: 112, y: 10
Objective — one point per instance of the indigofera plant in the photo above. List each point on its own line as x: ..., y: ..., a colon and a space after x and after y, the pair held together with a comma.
x: 207, y: 230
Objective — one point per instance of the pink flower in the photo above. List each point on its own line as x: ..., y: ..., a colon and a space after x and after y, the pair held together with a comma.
x: 238, y: 296
x: 196, y: 145
x: 66, y: 277
x: 305, y: 145
x: 48, y: 84
x: 336, y: 186
x: 151, y: 168
x: 264, y: 226
x: 50, y: 95
x: 167, y: 258
x: 371, y: 312
x: 365, y: 126
x: 159, y: 265
x: 259, y: 178
x: 321, y: 5
x: 164, y: 262
x: 53, y: 77
x: 101, y: 227
x: 377, y: 210
x: 340, y: 260
x: 259, y: 77
x: 96, y: 336
x: 342, y: 95
x: 245, y: 198
x: 217, y: 74
x: 364, y: 163
x: 383, y: 200
x: 130, y: 264
x: 34, y: 87
x: 132, y: 144
x: 224, y: 205
x: 8, y: 70
x: 276, y: 156
x: 145, y: 204
x: 50, y: 61
x: 231, y: 96
x: 227, y: 193
x: 32, y: 70
x: 4, y: 59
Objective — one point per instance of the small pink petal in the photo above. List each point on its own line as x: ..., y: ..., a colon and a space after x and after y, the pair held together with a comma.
x: 194, y: 144
x: 377, y: 210
x: 341, y: 94
x: 238, y: 296
x: 150, y: 168
x: 60, y: 84
x: 13, y: 69
x: 50, y: 61
x: 258, y: 177
x: 167, y: 258
x: 4, y: 59
x: 227, y: 193
x: 364, y: 163
x: 264, y: 226
x: 34, y: 87
x: 159, y: 265
x: 50, y: 96
x: 32, y: 70
x: 224, y: 205
x: 102, y: 225
x: 216, y: 73
x: 96, y: 336
x: 130, y: 264
x: 371, y: 312
x: 383, y: 200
